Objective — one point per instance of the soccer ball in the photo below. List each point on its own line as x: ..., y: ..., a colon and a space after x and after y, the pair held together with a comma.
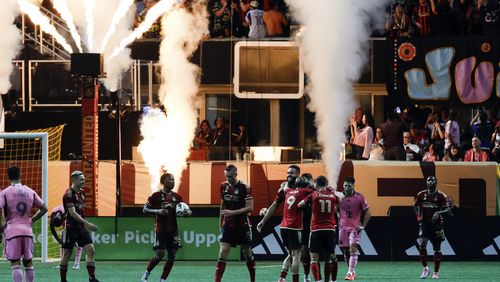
x: 263, y: 211
x: 181, y: 209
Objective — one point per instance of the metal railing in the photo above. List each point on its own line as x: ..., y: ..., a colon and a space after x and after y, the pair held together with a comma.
x: 20, y: 75
x: 129, y: 86
x: 45, y: 42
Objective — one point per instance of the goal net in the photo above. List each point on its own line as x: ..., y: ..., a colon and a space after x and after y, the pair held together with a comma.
x: 31, y: 151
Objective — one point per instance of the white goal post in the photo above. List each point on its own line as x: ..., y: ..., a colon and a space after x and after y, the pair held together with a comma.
x: 43, y: 136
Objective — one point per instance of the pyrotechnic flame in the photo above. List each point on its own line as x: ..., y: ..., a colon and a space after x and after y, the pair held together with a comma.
x: 170, y: 146
x: 62, y: 7
x: 153, y: 14
x: 39, y: 19
x: 154, y: 131
x: 122, y: 10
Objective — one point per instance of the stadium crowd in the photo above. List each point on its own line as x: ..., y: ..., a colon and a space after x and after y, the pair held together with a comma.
x: 407, y: 18
x: 423, y: 134
x: 404, y: 18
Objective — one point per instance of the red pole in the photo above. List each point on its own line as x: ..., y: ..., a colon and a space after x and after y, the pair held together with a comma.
x: 90, y: 155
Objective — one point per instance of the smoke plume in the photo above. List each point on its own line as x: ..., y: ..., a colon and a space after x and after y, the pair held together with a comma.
x: 10, y: 43
x: 183, y: 29
x: 335, y: 46
x: 97, y: 26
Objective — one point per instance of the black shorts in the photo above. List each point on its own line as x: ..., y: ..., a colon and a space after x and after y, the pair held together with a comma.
x: 70, y: 236
x: 307, y: 225
x: 323, y: 241
x: 236, y: 235
x: 291, y: 238
x: 431, y: 231
x: 305, y: 233
x: 167, y: 240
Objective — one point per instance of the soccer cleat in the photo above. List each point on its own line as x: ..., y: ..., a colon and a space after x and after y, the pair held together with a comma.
x: 163, y: 280
x: 435, y: 275
x: 282, y: 279
x: 144, y: 277
x: 425, y: 273
x: 93, y: 280
x: 76, y: 266
x: 306, y: 279
x: 350, y: 276
x: 57, y: 267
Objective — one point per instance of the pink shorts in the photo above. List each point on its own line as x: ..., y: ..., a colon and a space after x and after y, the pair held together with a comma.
x: 348, y: 237
x: 19, y: 248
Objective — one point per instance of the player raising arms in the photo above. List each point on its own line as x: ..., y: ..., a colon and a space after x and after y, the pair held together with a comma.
x: 236, y: 203
x: 429, y: 206
x: 292, y: 222
x: 354, y: 216
x: 16, y: 202
x: 324, y: 204
x: 76, y: 227
x: 163, y: 205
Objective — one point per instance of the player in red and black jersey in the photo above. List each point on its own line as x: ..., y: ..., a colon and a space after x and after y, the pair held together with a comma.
x: 292, y: 222
x: 324, y: 205
x: 163, y: 205
x: 429, y: 207
x: 236, y: 204
x: 306, y: 230
x: 76, y: 226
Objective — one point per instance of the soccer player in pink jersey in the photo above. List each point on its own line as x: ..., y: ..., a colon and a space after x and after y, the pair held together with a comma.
x: 292, y: 223
x: 354, y: 216
x: 57, y: 219
x: 324, y: 205
x: 429, y: 206
x: 16, y: 202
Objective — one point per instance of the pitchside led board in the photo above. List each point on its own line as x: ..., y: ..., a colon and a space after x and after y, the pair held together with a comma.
x: 268, y: 70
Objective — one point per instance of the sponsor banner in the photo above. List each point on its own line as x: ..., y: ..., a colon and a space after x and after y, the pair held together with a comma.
x: 456, y: 71
x: 136, y: 236
x: 395, y: 238
x: 472, y: 186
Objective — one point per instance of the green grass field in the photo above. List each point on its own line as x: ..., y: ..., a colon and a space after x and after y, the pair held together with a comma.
x: 189, y: 271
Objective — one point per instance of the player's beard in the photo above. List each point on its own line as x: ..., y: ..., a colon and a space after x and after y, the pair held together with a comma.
x: 349, y: 192
x: 431, y: 189
x: 291, y: 181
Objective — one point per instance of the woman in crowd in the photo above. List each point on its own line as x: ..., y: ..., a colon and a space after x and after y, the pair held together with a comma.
x: 377, y: 151
x: 430, y: 155
x: 399, y: 25
x: 202, y: 138
x: 453, y: 154
x: 363, y: 138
